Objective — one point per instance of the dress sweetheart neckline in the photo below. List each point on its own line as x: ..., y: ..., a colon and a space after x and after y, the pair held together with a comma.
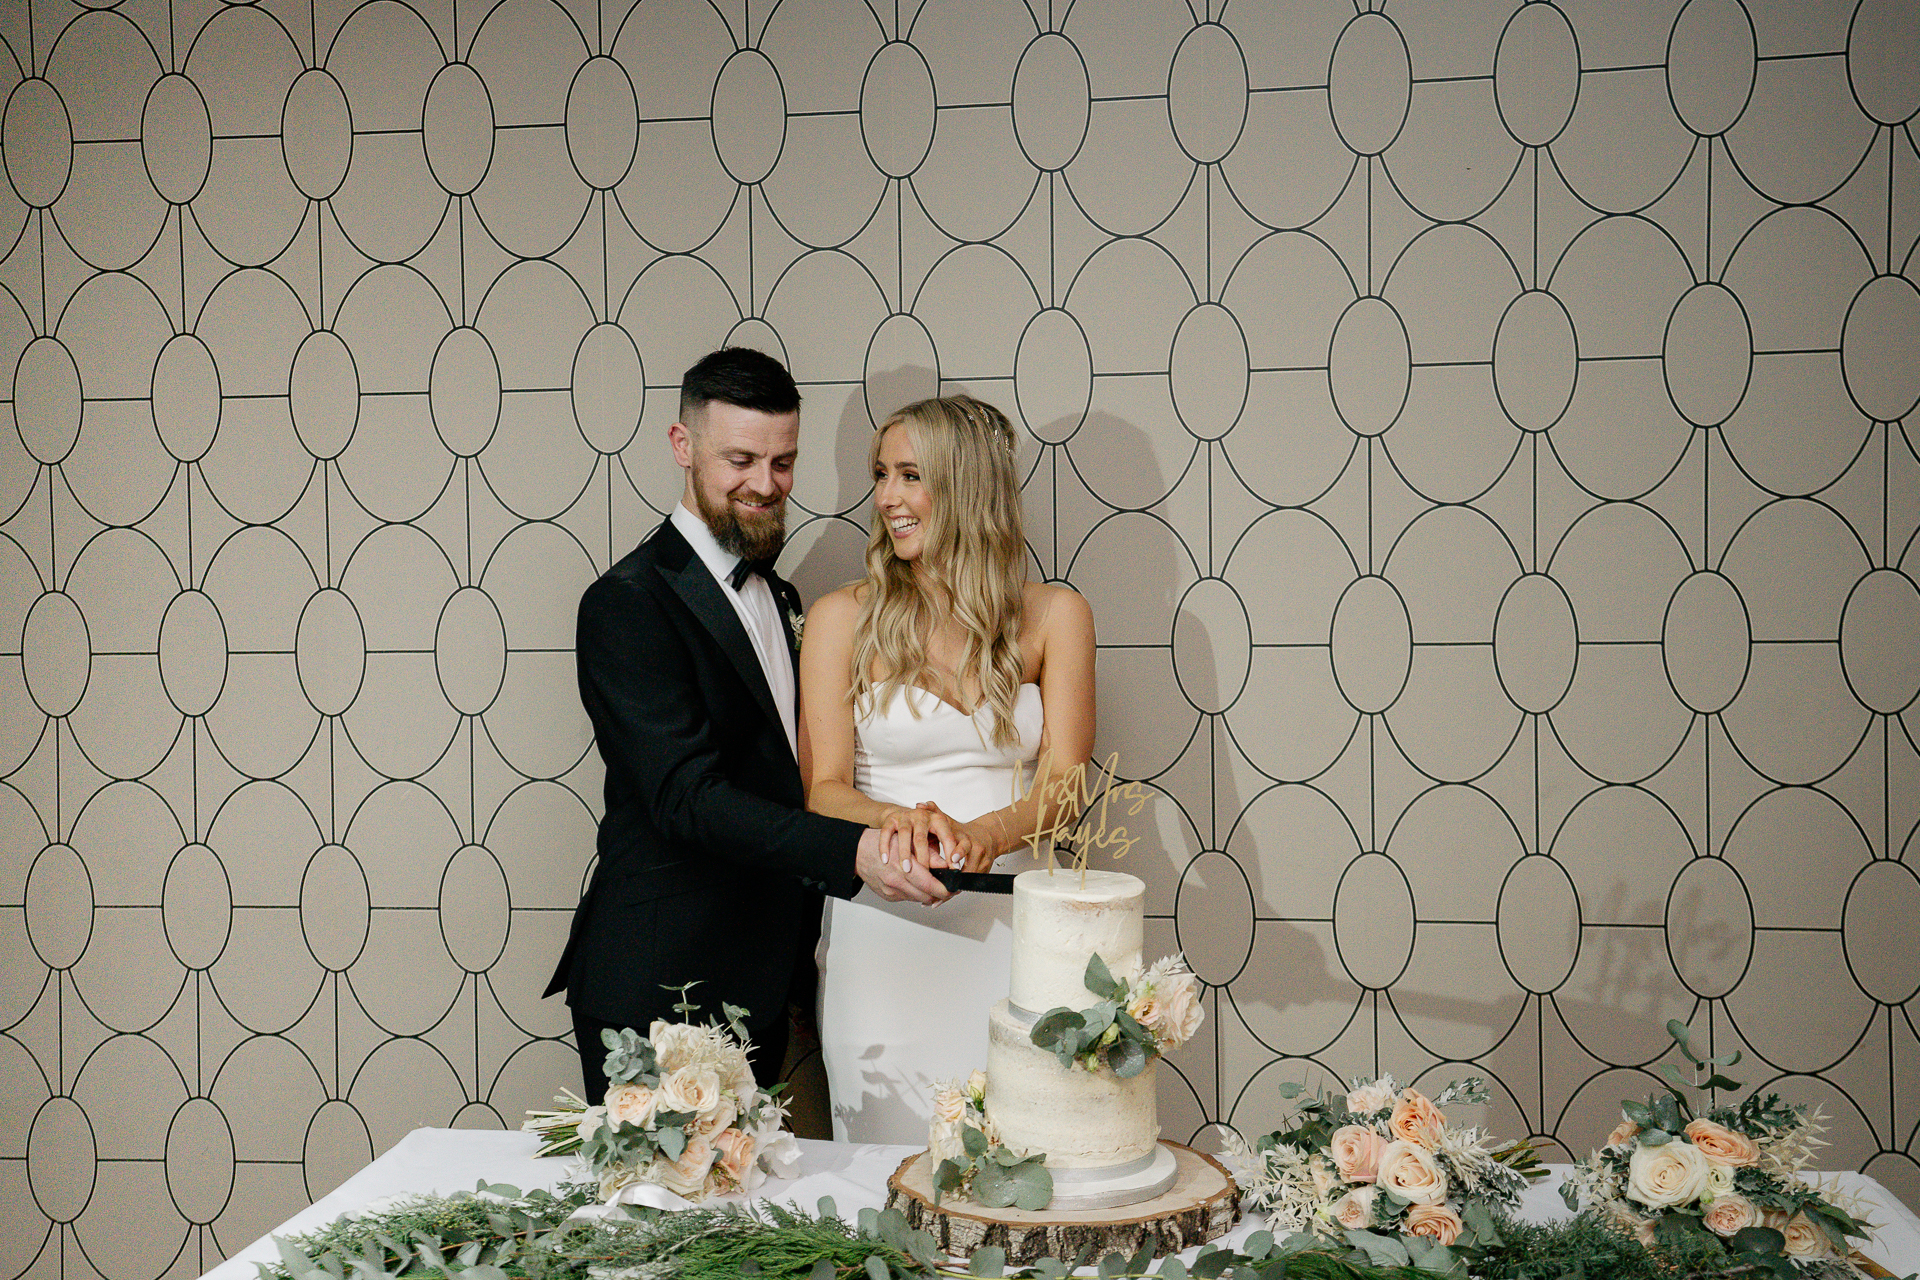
x: 1024, y: 684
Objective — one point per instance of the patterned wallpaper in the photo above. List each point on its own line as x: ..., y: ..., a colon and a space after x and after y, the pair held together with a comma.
x: 1482, y: 428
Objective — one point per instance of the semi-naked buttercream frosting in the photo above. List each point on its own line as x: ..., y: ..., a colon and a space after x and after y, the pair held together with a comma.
x: 1062, y: 917
x: 1083, y: 1120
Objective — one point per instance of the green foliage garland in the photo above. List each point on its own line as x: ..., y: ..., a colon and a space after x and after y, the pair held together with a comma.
x: 498, y: 1233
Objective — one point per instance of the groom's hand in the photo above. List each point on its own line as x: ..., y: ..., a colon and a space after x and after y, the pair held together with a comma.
x: 886, y: 863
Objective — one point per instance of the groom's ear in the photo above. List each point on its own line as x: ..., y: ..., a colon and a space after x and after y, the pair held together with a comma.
x: 680, y: 436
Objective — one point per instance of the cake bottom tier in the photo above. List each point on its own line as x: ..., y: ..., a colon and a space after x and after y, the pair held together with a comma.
x: 1081, y: 1119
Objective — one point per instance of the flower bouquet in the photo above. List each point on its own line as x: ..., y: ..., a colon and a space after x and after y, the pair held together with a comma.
x: 1136, y: 1019
x: 682, y: 1112
x: 1731, y: 1176
x: 1381, y: 1171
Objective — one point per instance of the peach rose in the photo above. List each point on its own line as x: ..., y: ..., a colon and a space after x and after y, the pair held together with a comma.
x: 690, y: 1088
x: 1435, y: 1221
x: 1805, y: 1238
x: 1183, y: 1013
x: 1722, y: 1145
x: 1416, y: 1120
x: 631, y: 1103
x: 1365, y: 1099
x: 686, y: 1176
x: 1729, y: 1214
x: 1673, y: 1173
x: 736, y: 1155
x: 1354, y: 1210
x: 1410, y: 1172
x: 1356, y: 1152
x: 1623, y: 1133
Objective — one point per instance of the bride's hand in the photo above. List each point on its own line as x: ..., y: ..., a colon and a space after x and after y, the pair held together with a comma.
x: 920, y: 830
x: 972, y: 850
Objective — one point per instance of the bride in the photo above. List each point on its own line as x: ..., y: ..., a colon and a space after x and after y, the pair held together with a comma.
x: 927, y: 692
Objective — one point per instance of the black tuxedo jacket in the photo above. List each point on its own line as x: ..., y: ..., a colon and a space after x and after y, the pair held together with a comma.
x: 709, y: 867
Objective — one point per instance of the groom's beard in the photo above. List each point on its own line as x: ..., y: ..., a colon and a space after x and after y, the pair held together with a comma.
x: 749, y: 537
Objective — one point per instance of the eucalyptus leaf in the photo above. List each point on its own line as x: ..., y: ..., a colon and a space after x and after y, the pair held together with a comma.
x: 672, y: 1143
x: 876, y: 1269
x: 987, y: 1260
x: 1654, y: 1137
x: 993, y: 1186
x: 1718, y: 1081
x: 1100, y: 980
x: 1127, y: 1058
x: 1096, y: 1018
x: 1292, y: 1088
x: 1171, y: 1268
x: 1763, y: 1240
x: 1052, y: 1026
x: 974, y: 1141
x: 823, y: 1269
x: 1258, y: 1245
x: 1678, y: 1030
x: 1032, y: 1186
x: 1638, y: 1112
x: 1666, y: 1112
x: 1381, y: 1250
x: 1208, y: 1266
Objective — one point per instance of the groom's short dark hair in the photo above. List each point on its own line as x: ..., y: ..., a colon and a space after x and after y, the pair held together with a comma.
x: 738, y: 376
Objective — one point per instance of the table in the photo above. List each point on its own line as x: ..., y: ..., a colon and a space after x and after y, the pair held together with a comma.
x: 440, y: 1161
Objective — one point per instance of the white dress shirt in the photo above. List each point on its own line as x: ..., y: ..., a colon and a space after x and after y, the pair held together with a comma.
x: 759, y: 614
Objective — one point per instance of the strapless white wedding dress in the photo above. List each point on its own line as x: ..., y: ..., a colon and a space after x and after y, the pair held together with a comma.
x: 904, y: 989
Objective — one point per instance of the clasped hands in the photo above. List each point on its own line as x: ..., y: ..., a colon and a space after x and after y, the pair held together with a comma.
x: 897, y: 858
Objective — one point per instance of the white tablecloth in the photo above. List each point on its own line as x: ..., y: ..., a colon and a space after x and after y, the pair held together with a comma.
x: 440, y: 1161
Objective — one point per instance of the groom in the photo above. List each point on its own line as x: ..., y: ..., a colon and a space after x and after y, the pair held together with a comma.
x: 710, y: 869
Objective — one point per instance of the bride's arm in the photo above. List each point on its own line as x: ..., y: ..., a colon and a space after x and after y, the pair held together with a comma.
x: 826, y: 737
x: 1066, y: 644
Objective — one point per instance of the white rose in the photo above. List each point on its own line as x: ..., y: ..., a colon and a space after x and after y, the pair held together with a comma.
x: 631, y: 1103
x: 1719, y: 1178
x: 949, y: 1102
x: 977, y: 1083
x: 777, y: 1154
x: 1365, y: 1099
x: 1671, y: 1174
x: 1410, y: 1172
x: 686, y: 1176
x: 944, y: 1141
x: 690, y: 1088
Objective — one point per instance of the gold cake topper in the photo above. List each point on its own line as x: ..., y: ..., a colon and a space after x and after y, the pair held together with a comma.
x: 1067, y: 816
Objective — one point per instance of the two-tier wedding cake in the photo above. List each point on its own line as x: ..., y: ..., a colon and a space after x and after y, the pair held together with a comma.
x: 1097, y: 1127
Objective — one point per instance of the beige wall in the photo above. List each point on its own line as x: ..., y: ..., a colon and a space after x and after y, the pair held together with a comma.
x: 1478, y: 427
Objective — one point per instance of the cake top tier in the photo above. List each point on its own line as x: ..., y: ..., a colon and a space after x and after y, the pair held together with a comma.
x: 1060, y: 919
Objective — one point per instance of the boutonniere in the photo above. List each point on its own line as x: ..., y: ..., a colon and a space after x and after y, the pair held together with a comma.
x: 796, y: 623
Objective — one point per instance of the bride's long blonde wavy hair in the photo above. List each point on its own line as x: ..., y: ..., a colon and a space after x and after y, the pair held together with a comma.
x: 972, y: 563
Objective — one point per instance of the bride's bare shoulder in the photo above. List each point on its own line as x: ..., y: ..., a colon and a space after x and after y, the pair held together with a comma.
x: 1054, y: 606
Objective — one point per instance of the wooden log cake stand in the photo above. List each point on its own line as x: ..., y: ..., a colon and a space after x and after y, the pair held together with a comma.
x: 1202, y: 1205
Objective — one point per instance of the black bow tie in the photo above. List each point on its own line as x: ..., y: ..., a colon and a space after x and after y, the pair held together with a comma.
x: 746, y: 569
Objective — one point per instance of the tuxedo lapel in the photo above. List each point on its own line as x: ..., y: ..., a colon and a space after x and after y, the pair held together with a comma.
x: 696, y: 587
